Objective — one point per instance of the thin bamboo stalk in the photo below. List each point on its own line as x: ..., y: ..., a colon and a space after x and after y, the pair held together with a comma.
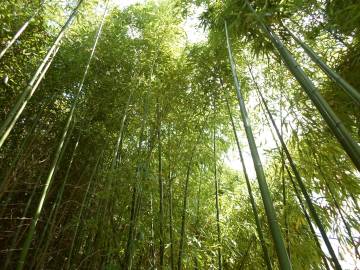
x: 81, y: 212
x: 24, y: 98
x: 217, y: 207
x: 161, y: 193
x: 283, y: 257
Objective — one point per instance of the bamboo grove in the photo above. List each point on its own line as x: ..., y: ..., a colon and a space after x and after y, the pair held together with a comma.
x: 125, y: 145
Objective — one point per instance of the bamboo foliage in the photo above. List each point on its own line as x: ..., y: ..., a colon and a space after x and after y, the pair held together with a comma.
x: 11, y: 42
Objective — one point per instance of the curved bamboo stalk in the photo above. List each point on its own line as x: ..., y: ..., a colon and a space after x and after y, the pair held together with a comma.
x: 283, y: 257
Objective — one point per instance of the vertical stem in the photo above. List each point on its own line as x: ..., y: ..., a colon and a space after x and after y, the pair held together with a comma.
x: 251, y: 196
x: 161, y: 194
x: 172, y: 263
x: 217, y: 202
x: 283, y: 257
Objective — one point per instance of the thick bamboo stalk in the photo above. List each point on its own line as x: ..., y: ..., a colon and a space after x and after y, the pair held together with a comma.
x: 283, y: 257
x: 333, y: 121
x: 332, y: 74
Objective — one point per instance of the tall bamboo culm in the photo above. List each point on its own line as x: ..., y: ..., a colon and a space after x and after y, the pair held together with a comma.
x: 283, y: 257
x: 251, y: 196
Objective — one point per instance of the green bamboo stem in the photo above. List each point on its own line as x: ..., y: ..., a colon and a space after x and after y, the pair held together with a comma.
x: 24, y: 147
x: 161, y: 193
x: 185, y: 200
x: 197, y: 223
x: 283, y: 257
x: 171, y: 237
x: 266, y: 256
x: 216, y: 182
x: 184, y: 209
x: 297, y: 194
x: 307, y: 217
x: 298, y: 178
x: 333, y: 121
x: 24, y: 98
x: 332, y: 74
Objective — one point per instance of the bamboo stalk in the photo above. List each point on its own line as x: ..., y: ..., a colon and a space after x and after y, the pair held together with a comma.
x: 58, y: 151
x: 283, y: 257
x: 24, y: 98
x: 332, y: 74
x: 266, y: 256
x: 300, y: 182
